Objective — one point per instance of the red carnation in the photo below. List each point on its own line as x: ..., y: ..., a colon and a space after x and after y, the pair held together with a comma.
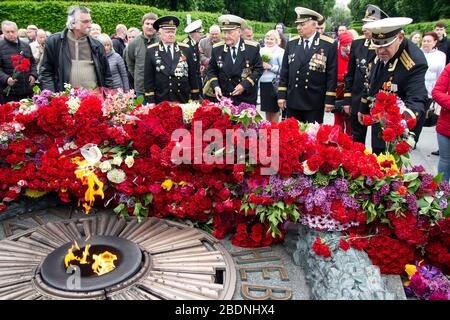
x: 344, y: 245
x: 367, y: 120
x: 411, y: 123
x: 402, y: 147
x: 389, y: 135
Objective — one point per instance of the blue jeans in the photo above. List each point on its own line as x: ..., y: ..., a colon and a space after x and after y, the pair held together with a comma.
x: 444, y: 156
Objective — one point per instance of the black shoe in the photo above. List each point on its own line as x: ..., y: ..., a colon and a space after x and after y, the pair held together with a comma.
x: 435, y: 153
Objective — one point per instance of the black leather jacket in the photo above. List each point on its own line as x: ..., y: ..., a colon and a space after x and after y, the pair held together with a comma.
x: 56, y: 63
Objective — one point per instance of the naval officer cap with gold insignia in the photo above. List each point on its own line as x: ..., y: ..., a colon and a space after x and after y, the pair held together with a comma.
x: 230, y: 22
x: 373, y: 13
x: 195, y: 26
x: 386, y: 31
x: 167, y: 23
x: 305, y: 14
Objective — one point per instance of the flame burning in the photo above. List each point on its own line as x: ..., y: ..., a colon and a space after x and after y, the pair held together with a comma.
x: 101, y: 264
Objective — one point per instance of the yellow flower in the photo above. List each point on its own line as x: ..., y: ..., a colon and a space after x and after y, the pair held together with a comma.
x: 411, y: 270
x: 34, y: 193
x: 393, y: 169
x: 167, y: 185
x: 182, y: 183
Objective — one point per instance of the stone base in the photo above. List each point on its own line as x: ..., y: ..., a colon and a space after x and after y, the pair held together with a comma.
x: 27, y: 205
x: 347, y: 275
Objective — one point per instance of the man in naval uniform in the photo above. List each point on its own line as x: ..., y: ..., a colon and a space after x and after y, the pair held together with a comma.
x: 361, y: 54
x: 195, y: 34
x: 236, y: 65
x: 170, y: 73
x: 309, y: 72
x: 399, y: 68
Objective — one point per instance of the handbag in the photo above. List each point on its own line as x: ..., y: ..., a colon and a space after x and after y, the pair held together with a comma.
x: 432, y: 115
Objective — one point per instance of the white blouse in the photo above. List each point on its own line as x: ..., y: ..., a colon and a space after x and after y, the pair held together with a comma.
x: 436, y: 63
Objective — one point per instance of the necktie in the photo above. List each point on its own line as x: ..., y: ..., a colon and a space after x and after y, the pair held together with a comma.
x: 233, y: 55
x: 306, y: 45
x: 169, y: 51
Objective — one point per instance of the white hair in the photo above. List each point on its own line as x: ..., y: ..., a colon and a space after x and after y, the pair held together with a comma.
x: 121, y: 27
x: 214, y: 27
x: 8, y: 23
x: 104, y: 39
x: 73, y: 14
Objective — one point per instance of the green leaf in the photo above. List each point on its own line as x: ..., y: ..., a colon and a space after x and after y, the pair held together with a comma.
x: 36, y: 90
x: 438, y: 178
x: 410, y: 176
x: 148, y: 198
x: 119, y: 208
x: 139, y: 100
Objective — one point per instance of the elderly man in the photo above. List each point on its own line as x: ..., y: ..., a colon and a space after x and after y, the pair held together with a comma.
x: 309, y: 72
x: 170, y: 70
x: 247, y: 33
x: 236, y: 65
x: 73, y: 57
x: 195, y: 33
x: 362, y: 54
x: 22, y: 85
x: 32, y: 33
x: 37, y: 47
x: 137, y: 49
x: 119, y: 40
x: 205, y: 45
x: 399, y: 68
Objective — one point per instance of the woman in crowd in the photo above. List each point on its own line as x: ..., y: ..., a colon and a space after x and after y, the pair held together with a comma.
x: 441, y: 94
x: 116, y: 64
x: 272, y: 55
x: 415, y: 38
x: 341, y: 114
x: 281, y: 28
x: 436, y: 63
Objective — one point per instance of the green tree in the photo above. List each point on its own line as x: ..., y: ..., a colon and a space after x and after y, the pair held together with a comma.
x: 340, y: 16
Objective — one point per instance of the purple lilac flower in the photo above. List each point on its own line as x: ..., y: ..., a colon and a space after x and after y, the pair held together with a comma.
x: 416, y: 169
x: 341, y: 184
x: 349, y: 202
x: 438, y: 296
x: 389, y: 204
x: 3, y: 146
x: 40, y: 101
x: 123, y: 197
x: 376, y: 198
x: 443, y: 204
x: 396, y: 184
x: 361, y: 196
x: 427, y: 179
x: 445, y: 187
x: 369, y: 181
x: 411, y: 200
x: 384, y: 190
x: 12, y: 136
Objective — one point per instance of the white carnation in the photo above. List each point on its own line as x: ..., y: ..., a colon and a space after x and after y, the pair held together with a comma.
x: 105, y: 166
x: 117, y: 161
x: 116, y: 176
x: 129, y: 161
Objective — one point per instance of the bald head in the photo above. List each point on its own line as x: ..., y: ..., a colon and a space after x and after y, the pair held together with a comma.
x: 41, y: 36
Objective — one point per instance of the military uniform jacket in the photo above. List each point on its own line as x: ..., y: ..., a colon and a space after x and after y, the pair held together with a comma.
x: 195, y: 52
x: 403, y: 75
x: 170, y: 80
x: 246, y: 70
x: 308, y: 79
x: 361, y: 54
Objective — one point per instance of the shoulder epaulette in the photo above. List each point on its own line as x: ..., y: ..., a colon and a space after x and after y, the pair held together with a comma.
x: 152, y: 45
x: 361, y: 37
x: 251, y: 43
x: 406, y: 60
x: 185, y: 40
x: 327, y: 39
x: 218, y: 44
x: 184, y: 45
x: 294, y: 38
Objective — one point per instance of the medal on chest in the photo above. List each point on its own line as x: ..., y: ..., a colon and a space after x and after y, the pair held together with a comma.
x: 182, y: 67
x: 219, y: 62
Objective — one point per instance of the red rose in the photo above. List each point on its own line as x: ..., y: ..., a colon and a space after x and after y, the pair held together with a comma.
x: 367, y: 120
x: 411, y: 123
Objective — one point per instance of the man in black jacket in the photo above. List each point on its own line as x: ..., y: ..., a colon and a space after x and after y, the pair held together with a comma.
x: 309, y: 72
x: 443, y: 43
x: 399, y: 68
x: 361, y: 54
x: 20, y: 86
x: 73, y: 57
x: 236, y: 65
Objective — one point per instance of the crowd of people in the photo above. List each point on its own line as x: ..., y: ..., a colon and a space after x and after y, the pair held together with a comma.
x: 301, y: 76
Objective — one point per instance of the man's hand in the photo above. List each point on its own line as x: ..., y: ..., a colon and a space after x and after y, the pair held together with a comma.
x: 328, y: 107
x: 360, y: 118
x: 218, y: 92
x: 31, y: 80
x: 238, y: 90
x: 282, y: 104
x: 347, y: 109
x: 11, y: 82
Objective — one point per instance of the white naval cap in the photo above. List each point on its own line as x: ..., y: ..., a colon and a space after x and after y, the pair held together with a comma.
x: 230, y: 22
x: 386, y: 31
x: 195, y: 26
x: 305, y: 14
